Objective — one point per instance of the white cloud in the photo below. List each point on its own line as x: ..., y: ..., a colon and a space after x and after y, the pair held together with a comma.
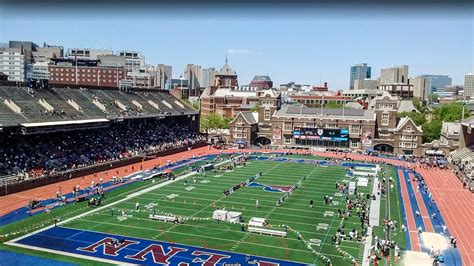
x: 239, y: 51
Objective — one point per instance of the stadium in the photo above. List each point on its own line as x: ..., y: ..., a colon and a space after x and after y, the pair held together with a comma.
x: 100, y: 176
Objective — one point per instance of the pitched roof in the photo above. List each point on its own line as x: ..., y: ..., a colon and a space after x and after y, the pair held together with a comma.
x: 226, y: 70
x: 405, y: 120
x: 406, y: 106
x: 248, y: 116
x: 451, y: 128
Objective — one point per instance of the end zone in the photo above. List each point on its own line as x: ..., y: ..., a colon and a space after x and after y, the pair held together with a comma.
x: 131, y: 251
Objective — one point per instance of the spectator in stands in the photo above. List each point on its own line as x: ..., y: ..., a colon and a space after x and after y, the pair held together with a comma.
x: 41, y: 154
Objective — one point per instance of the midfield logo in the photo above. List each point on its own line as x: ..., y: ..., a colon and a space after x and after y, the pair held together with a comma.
x: 163, y: 254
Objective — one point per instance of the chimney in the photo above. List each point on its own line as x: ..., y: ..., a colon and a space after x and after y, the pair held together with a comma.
x: 325, y: 84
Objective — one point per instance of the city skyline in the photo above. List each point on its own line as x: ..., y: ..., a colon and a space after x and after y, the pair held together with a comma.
x: 303, y: 49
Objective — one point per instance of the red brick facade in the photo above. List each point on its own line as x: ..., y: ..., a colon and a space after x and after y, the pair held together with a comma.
x: 87, y: 76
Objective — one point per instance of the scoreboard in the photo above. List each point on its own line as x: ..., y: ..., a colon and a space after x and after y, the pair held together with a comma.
x: 338, y: 135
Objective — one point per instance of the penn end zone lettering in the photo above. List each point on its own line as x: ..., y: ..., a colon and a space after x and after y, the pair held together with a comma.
x: 140, y: 251
x: 108, y: 248
x: 212, y: 260
x: 157, y: 252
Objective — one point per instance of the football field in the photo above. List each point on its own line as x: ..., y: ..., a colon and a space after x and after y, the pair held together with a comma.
x: 198, y: 199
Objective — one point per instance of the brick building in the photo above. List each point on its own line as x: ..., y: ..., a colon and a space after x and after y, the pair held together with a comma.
x: 89, y: 73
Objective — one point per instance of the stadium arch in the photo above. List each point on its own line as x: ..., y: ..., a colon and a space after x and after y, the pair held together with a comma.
x: 384, y: 147
x: 262, y: 140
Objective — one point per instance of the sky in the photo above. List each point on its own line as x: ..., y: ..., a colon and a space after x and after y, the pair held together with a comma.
x: 304, y: 44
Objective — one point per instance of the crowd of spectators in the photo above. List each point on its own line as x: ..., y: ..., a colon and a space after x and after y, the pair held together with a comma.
x: 462, y: 167
x: 35, y: 155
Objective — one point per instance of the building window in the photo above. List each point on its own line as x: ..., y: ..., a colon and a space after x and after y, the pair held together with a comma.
x: 331, y: 126
x: 267, y: 115
x: 385, y: 119
x: 287, y: 126
x: 287, y: 140
x: 354, y: 129
x: 409, y: 128
x: 354, y: 144
x: 309, y: 125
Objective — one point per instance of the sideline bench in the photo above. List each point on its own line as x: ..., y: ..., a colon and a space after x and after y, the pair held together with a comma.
x: 264, y: 231
x: 164, y: 218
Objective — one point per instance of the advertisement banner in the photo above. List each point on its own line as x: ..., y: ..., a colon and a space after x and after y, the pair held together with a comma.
x: 367, y: 137
x: 277, y: 132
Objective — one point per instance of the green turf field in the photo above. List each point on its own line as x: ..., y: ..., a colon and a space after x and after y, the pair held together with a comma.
x: 207, y: 195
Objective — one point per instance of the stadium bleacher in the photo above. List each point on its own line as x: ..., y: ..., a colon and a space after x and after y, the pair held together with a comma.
x: 90, y: 134
x: 56, y: 104
x: 462, y: 161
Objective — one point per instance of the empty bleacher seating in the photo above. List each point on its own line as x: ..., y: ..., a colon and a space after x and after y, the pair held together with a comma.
x: 25, y: 105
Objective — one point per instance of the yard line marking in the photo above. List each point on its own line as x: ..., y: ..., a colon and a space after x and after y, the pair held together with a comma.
x: 101, y: 208
x: 212, y: 204
x: 201, y: 236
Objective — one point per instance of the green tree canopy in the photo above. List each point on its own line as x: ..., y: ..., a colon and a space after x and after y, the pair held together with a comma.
x: 432, y: 130
x: 433, y: 97
x: 418, y: 118
x: 214, y: 121
x: 450, y: 112
x: 444, y: 113
x: 254, y: 109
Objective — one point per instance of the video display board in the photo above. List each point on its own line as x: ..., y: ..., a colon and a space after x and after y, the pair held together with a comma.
x: 339, y: 135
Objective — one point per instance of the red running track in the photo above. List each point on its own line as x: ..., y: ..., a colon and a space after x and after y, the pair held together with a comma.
x: 456, y: 205
x: 425, y: 215
x: 411, y: 226
x: 454, y: 202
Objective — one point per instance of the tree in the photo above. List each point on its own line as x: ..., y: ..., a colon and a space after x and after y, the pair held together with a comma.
x: 418, y: 104
x: 444, y: 113
x: 450, y: 112
x: 432, y: 130
x: 254, y: 109
x: 214, y: 121
x: 433, y: 97
x: 418, y: 118
x: 197, y: 105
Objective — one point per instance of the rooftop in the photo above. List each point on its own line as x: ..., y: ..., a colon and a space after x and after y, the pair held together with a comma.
x: 226, y: 70
x: 348, y: 113
x: 261, y: 77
